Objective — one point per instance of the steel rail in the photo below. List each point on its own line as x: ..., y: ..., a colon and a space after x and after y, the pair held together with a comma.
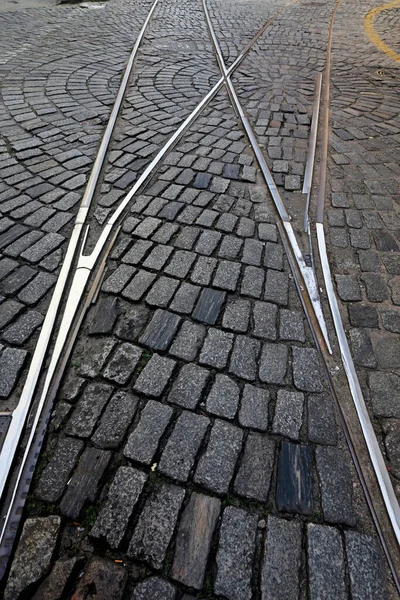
x: 83, y: 270
x: 381, y: 473
x: 19, y: 415
x: 307, y: 272
x: 308, y: 174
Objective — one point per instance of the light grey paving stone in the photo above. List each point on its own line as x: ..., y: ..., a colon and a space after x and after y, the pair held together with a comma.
x: 252, y: 282
x: 9, y: 310
x: 42, y: 247
x: 348, y: 288
x: 244, y: 357
x: 161, y: 330
x: 122, y: 363
x: 147, y: 227
x: 306, y: 370
x: 291, y: 325
x: 336, y: 486
x: 254, y: 408
x: 162, y: 292
x: 154, y: 588
x: 156, y: 525
x: 385, y: 391
x: 139, y: 285
x: 223, y: 398
x: 227, y: 275
x: 34, y: 554
x: 154, y: 378
x: 37, y: 288
x: 94, y: 359
x: 158, y: 257
x: 217, y: 464
x: 322, y: 426
x: 203, y: 270
x: 85, y: 481
x: 185, y: 298
x: 273, y: 257
x: 115, y: 513
x: 265, y: 320
x: 55, y: 476
x: 288, y: 414
x: 254, y: 476
x: 281, y: 563
x: 276, y: 287
x: 118, y: 279
x: 188, y: 387
x: 326, y: 563
x: 367, y: 573
x: 11, y: 362
x: 252, y: 252
x: 183, y: 444
x: 188, y: 341
x: 180, y: 264
x: 267, y: 232
x: 115, y: 420
x: 193, y: 541
x: 216, y: 348
x: 230, y: 246
x: 143, y: 442
x: 237, y: 315
x: 235, y: 554
x: 88, y: 410
x: 273, y: 363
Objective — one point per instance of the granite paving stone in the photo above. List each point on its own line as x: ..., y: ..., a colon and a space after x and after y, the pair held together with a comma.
x: 155, y: 376
x: 367, y: 575
x: 244, y: 356
x: 154, y: 588
x: 253, y: 479
x: 223, y: 398
x: 336, y: 486
x: 55, y: 476
x: 122, y: 363
x: 88, y: 410
x: 306, y: 370
x: 273, y: 363
x: 326, y: 562
x: 11, y: 362
x: 254, y: 408
x: 288, y: 414
x: 295, y: 475
x: 143, y: 442
x: 161, y: 330
x: 115, y: 420
x: 188, y: 387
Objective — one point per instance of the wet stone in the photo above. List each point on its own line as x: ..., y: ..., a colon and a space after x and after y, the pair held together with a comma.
x: 294, y: 493
x: 235, y: 554
x: 11, y: 363
x: 244, y: 357
x: 209, y: 306
x: 94, y: 359
x: 55, y: 476
x: 183, y: 444
x: 217, y: 464
x: 154, y: 588
x: 254, y: 476
x: 156, y: 525
x: 154, y: 378
x: 33, y: 556
x: 306, y: 370
x: 143, y: 442
x: 84, y: 482
x: 322, y: 427
x: 103, y: 317
x: 122, y: 363
x: 88, y: 410
x: 104, y: 576
x: 326, y: 563
x: 161, y: 330
x: 367, y: 574
x: 193, y: 541
x: 281, y: 563
x: 216, y: 348
x: 336, y: 486
x: 223, y: 398
x: 254, y: 408
x: 115, y: 420
x: 288, y: 414
x: 122, y: 497
x: 188, y: 386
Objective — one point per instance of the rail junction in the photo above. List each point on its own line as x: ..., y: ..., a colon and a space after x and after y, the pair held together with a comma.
x: 199, y: 368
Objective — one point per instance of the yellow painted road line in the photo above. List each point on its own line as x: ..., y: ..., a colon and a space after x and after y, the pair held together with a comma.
x: 373, y: 35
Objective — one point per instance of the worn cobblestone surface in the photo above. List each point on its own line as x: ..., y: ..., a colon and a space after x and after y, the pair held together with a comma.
x: 195, y: 440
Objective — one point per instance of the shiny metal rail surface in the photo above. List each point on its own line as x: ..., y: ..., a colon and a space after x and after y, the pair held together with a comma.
x: 308, y: 175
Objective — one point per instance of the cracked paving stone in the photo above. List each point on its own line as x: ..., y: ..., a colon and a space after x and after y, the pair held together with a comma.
x: 88, y: 410
x: 193, y: 540
x: 322, y: 427
x: 154, y: 588
x: 122, y: 363
x: 105, y: 577
x: 288, y: 414
x: 94, y: 360
x: 209, y: 306
x: 235, y: 554
x: 254, y: 476
x: 155, y: 376
x: 254, y: 408
x: 216, y: 348
x: 11, y: 362
x: 336, y: 486
x: 156, y: 525
x: 295, y: 475
x: 281, y: 563
x: 84, y: 482
x: 34, y: 554
x: 161, y: 330
x: 183, y: 445
x: 306, y: 370
x: 104, y: 315
x: 244, y: 357
x: 367, y: 573
x: 325, y: 563
x: 122, y: 497
x: 188, y: 387
x: 55, y: 476
x: 273, y: 363
x: 131, y: 323
x: 217, y: 464
x: 223, y: 398
x: 115, y: 420
x: 188, y: 341
x: 143, y: 442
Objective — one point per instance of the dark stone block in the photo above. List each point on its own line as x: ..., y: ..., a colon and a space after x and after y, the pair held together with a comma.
x: 294, y: 492
x: 202, y: 181
x: 231, y: 171
x: 103, y: 316
x: 363, y: 316
x: 209, y: 305
x: 161, y: 330
x: 384, y: 241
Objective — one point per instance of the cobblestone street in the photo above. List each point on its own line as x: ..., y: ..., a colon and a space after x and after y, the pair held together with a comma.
x: 199, y: 445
